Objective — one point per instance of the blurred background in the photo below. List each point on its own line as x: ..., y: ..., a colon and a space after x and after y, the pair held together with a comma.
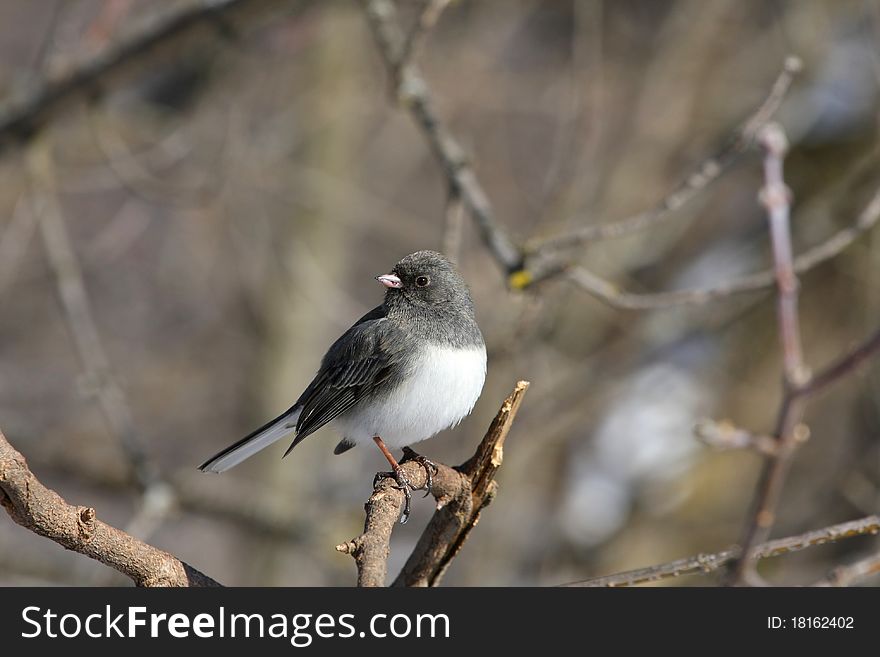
x: 221, y: 209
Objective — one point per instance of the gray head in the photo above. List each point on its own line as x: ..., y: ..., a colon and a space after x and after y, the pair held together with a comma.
x: 426, y: 281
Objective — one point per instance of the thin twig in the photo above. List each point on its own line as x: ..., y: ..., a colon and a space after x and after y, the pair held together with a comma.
x: 453, y: 226
x: 41, y: 510
x: 413, y: 93
x: 840, y: 367
x: 776, y: 198
x: 616, y: 297
x: 706, y: 563
x: 428, y: 17
x: 135, y: 177
x: 724, y: 434
x: 21, y: 118
x: 705, y: 173
x: 78, y: 312
x: 461, y: 494
x: 14, y: 242
x: 852, y: 573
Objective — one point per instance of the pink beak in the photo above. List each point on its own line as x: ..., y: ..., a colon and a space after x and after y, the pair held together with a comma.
x: 389, y: 280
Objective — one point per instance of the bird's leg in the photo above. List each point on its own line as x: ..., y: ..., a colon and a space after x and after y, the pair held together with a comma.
x: 397, y: 472
x: 430, y: 467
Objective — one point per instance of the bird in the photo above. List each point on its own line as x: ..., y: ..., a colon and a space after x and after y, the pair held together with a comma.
x: 408, y: 369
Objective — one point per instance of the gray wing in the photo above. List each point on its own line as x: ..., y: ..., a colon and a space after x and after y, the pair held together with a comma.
x: 367, y: 357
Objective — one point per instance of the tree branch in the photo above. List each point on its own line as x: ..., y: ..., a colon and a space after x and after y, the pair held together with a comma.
x: 461, y: 495
x: 529, y: 265
x: 705, y: 173
x: 706, y: 563
x: 839, y: 368
x: 41, y: 510
x: 615, y: 297
x: 21, y: 118
x: 428, y: 17
x: 724, y: 434
x: 776, y: 198
x: 412, y: 92
x: 78, y: 313
x: 852, y: 573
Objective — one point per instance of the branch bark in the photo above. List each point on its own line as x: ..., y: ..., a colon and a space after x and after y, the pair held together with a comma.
x: 461, y: 494
x: 41, y: 510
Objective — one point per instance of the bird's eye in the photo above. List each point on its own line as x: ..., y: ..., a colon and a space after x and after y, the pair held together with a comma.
x: 422, y: 281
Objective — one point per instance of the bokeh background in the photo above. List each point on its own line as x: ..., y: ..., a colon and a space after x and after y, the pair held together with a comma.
x: 229, y: 202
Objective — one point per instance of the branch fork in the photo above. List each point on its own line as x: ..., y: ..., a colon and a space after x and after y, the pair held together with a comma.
x: 461, y: 493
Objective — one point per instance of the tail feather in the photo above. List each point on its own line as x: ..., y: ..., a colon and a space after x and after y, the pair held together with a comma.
x: 266, y: 435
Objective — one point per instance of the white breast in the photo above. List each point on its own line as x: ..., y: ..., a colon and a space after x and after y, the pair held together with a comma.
x: 441, y: 389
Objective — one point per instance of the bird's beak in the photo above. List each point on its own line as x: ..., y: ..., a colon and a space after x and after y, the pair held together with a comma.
x: 389, y: 280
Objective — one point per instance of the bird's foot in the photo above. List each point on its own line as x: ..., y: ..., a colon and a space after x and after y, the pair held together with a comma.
x: 403, y: 484
x: 430, y: 468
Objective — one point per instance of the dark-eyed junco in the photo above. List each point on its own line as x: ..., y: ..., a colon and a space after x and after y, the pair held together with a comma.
x: 406, y: 370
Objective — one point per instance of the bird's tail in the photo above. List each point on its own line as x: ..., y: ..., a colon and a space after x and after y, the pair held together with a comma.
x: 266, y: 435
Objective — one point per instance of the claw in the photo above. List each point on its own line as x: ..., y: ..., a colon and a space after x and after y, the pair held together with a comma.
x: 403, y: 484
x: 430, y: 468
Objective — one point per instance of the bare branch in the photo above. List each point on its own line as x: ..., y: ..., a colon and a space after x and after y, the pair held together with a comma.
x: 453, y: 226
x: 840, y: 368
x: 135, y: 177
x: 609, y: 293
x: 370, y: 550
x: 724, y: 434
x: 776, y: 198
x: 78, y: 312
x: 76, y: 528
x: 705, y: 173
x: 428, y: 17
x: 852, y: 573
x: 449, y: 528
x: 706, y: 563
x: 461, y: 494
x: 412, y: 91
x: 21, y: 118
x: 14, y: 242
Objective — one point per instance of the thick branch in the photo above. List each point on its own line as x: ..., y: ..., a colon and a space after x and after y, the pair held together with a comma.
x: 461, y: 494
x: 44, y: 512
x: 451, y: 524
x: 706, y: 563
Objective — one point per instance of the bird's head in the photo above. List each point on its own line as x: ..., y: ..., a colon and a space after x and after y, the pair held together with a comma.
x: 426, y: 279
